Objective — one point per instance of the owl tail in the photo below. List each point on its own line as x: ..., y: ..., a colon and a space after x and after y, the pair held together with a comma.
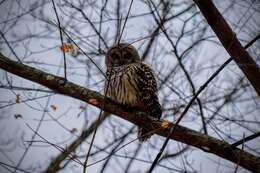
x: 143, y: 134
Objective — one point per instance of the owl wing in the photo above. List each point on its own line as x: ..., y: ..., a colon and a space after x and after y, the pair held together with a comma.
x: 147, y: 86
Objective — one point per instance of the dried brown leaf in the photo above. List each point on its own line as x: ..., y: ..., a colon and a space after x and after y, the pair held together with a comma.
x: 53, y: 107
x: 18, y: 98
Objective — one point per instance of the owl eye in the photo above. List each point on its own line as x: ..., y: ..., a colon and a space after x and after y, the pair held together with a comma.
x: 127, y: 55
x: 115, y: 56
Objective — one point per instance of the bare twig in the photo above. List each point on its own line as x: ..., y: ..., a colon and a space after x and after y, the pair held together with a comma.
x: 245, y: 139
x: 54, y: 166
x: 61, y: 39
x: 182, y: 134
x: 128, y: 12
x: 10, y: 47
x: 230, y: 42
x: 189, y: 105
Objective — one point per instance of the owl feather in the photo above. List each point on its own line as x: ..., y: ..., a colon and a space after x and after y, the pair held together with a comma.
x: 132, y: 83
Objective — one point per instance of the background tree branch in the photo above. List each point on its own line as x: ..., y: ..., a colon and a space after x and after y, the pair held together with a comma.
x: 230, y: 42
x: 182, y: 134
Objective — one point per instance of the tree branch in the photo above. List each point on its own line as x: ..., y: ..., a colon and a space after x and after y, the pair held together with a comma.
x: 182, y: 134
x: 230, y: 42
x: 54, y: 166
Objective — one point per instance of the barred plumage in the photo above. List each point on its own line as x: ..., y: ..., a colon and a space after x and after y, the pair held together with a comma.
x: 131, y: 82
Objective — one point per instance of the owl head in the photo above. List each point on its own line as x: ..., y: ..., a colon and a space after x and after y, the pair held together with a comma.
x: 121, y: 54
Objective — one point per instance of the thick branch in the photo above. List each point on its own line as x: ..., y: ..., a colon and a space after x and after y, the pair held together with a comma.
x: 230, y: 42
x: 182, y: 134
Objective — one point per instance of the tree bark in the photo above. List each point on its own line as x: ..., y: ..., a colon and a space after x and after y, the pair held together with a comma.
x: 182, y: 134
x: 230, y: 42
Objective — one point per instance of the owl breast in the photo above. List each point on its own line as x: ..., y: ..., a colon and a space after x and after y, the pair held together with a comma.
x: 122, y: 86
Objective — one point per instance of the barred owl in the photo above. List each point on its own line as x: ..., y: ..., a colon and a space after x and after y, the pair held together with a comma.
x: 131, y: 83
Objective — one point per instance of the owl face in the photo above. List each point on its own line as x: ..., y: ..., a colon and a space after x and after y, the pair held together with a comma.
x: 121, y: 54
